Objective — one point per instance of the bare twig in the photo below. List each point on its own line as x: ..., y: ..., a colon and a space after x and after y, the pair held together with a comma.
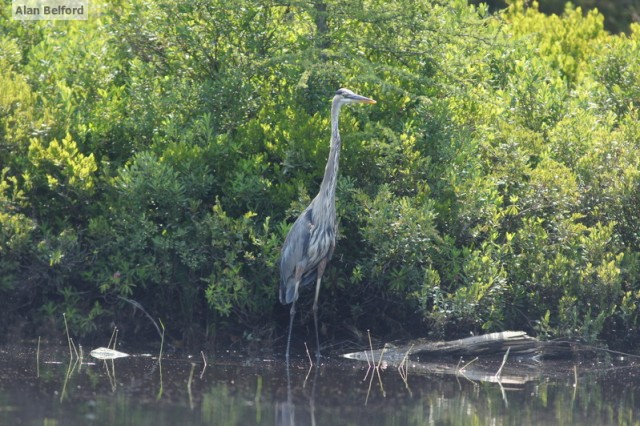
x: 74, y: 348
x: 161, y: 340
x: 66, y: 327
x: 72, y: 366
x: 504, y: 361
x: 504, y: 394
x: 376, y: 369
x: 38, y: 359
x: 403, y: 370
x: 193, y: 366
x: 204, y: 359
x: 368, y: 365
x: 371, y: 346
x: 575, y: 381
x: 161, y: 389
x: 113, y: 333
x: 468, y: 364
x: 308, y: 355
x: 139, y: 306
x: 80, y: 357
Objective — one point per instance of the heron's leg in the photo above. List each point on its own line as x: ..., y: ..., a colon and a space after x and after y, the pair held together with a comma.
x: 321, y: 266
x: 292, y: 312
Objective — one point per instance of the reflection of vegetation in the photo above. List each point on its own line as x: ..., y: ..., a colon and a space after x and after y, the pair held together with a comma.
x: 73, y: 363
x: 466, y: 402
x: 219, y: 406
x: 157, y: 152
x: 233, y: 394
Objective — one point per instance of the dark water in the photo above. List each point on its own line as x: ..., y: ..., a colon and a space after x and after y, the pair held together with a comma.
x: 237, y: 390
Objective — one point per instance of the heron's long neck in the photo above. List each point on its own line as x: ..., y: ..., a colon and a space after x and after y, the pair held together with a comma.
x: 328, y: 186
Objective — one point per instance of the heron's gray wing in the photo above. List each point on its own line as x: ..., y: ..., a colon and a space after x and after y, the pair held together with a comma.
x: 294, y: 254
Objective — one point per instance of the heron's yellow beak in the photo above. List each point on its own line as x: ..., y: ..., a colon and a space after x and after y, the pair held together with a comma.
x: 360, y: 99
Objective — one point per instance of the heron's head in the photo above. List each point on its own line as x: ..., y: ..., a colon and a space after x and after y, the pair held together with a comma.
x: 346, y: 96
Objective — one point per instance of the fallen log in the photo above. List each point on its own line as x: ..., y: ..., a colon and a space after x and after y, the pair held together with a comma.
x: 494, y: 344
x: 509, y: 358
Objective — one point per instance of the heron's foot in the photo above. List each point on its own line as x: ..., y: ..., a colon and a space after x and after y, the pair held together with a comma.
x: 318, y: 356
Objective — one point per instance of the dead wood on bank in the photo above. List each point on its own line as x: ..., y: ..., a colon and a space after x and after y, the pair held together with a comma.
x: 494, y: 344
x: 479, y: 358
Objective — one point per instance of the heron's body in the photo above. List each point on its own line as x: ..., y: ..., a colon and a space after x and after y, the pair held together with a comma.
x: 312, y: 238
x: 304, y: 249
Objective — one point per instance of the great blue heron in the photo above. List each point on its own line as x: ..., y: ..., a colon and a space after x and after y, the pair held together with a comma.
x: 310, y: 242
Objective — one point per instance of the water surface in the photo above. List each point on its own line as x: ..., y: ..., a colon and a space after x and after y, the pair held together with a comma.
x: 238, y: 390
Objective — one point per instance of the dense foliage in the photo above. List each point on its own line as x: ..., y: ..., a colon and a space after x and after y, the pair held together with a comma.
x: 154, y: 157
x: 618, y: 14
